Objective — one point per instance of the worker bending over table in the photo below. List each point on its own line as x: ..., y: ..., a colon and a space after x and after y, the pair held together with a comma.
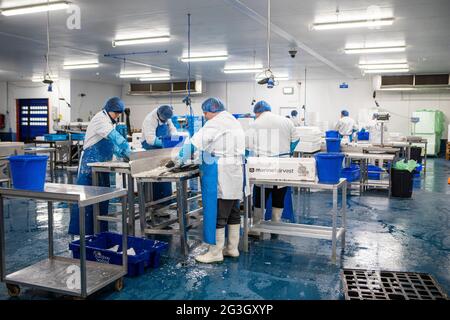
x: 102, y: 141
x: 221, y: 145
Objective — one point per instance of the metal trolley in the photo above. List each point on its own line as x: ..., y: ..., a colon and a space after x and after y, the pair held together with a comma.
x: 55, y: 273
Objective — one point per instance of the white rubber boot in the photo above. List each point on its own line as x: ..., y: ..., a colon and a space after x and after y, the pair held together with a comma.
x: 276, y: 214
x: 257, y: 217
x: 214, y: 253
x: 231, y: 249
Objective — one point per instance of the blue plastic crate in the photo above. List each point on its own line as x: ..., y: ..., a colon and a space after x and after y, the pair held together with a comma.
x: 56, y: 137
x: 363, y: 136
x: 148, y: 252
x: 78, y: 136
x: 374, y: 172
x: 352, y: 173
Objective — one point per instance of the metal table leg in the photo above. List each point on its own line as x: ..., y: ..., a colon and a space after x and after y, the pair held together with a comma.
x: 83, y: 253
x: 50, y: 229
x: 124, y: 237
x: 96, y: 206
x: 246, y: 212
x: 333, y: 236
x: 52, y: 166
x: 181, y: 192
x: 2, y: 243
x: 344, y: 214
x: 131, y: 216
x: 141, y: 196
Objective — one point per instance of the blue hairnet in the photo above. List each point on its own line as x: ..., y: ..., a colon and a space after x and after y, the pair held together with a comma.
x: 114, y: 104
x: 345, y: 113
x: 261, y: 106
x: 213, y: 105
x: 165, y: 112
x: 294, y: 113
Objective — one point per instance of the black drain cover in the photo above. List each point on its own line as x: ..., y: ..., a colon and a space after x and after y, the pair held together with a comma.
x: 390, y: 285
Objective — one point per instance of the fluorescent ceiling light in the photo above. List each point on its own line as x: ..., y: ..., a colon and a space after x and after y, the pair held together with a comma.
x: 34, y: 8
x: 127, y: 42
x: 155, y: 79
x: 204, y: 58
x: 375, y: 49
x: 353, y: 24
x: 384, y: 66
x: 243, y: 70
x: 81, y: 66
x: 387, y: 70
x: 136, y: 75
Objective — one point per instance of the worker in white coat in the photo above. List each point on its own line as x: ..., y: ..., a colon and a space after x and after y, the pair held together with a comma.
x: 346, y: 126
x: 221, y: 142
x: 270, y: 135
x: 157, y: 125
x: 296, y: 119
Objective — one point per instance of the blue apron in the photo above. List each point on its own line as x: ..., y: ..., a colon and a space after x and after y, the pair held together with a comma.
x: 162, y: 189
x: 100, y: 152
x: 209, y: 182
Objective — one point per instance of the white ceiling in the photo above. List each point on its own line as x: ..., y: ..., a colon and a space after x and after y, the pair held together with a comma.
x: 234, y: 26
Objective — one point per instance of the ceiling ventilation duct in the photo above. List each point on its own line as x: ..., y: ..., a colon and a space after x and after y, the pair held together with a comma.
x: 422, y: 82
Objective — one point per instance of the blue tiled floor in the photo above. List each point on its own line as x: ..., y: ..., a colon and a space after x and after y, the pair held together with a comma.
x: 389, y: 234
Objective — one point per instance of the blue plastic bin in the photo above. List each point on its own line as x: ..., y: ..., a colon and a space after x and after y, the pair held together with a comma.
x: 78, y: 136
x: 171, y: 142
x: 333, y: 144
x: 56, y: 137
x: 374, y: 172
x: 363, y: 136
x: 352, y: 173
x: 28, y: 172
x: 417, y: 170
x: 332, y: 134
x: 329, y: 167
x: 148, y: 252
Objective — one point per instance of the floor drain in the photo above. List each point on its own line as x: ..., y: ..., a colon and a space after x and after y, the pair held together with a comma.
x: 390, y: 285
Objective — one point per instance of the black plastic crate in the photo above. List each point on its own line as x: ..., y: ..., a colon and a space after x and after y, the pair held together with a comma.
x: 390, y: 285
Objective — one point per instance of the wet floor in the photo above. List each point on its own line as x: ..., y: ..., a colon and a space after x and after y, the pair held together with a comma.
x: 387, y: 234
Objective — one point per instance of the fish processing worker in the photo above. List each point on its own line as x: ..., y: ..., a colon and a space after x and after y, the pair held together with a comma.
x: 102, y: 141
x: 157, y: 125
x: 221, y: 144
x: 346, y: 125
x: 295, y: 119
x: 270, y: 135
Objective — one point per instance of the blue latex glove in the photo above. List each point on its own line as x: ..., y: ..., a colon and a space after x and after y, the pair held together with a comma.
x: 186, y: 151
x: 294, y: 145
x: 121, y: 146
x: 158, y: 142
x: 247, y: 153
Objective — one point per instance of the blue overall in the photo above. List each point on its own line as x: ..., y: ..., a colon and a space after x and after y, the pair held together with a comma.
x: 209, y: 182
x: 100, y: 152
x: 162, y: 189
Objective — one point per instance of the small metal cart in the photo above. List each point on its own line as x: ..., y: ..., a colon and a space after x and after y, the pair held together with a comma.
x: 54, y: 273
x: 333, y: 233
x: 184, y: 215
x: 51, y: 152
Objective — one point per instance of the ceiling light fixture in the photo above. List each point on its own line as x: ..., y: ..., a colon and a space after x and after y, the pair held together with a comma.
x: 136, y: 75
x: 204, y: 58
x: 35, y: 8
x: 375, y: 49
x: 387, y: 70
x: 127, y: 42
x: 243, y: 70
x: 384, y: 66
x: 353, y: 24
x: 154, y: 79
x: 81, y: 66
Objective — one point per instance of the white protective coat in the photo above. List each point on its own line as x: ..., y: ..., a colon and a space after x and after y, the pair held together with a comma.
x: 99, y: 128
x: 270, y: 135
x: 296, y: 121
x: 151, y: 122
x: 224, y: 137
x: 345, y: 126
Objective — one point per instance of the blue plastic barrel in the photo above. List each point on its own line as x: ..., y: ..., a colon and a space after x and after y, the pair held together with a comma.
x: 28, y: 172
x: 333, y: 144
x: 332, y: 134
x: 363, y: 135
x: 329, y: 167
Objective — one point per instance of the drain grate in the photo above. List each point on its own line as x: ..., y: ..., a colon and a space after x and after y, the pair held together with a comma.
x: 390, y: 285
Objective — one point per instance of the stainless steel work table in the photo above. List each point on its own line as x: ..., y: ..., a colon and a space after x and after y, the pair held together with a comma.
x: 364, y: 158
x: 123, y: 168
x: 184, y: 215
x: 50, y: 151
x: 332, y: 233
x: 56, y: 273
